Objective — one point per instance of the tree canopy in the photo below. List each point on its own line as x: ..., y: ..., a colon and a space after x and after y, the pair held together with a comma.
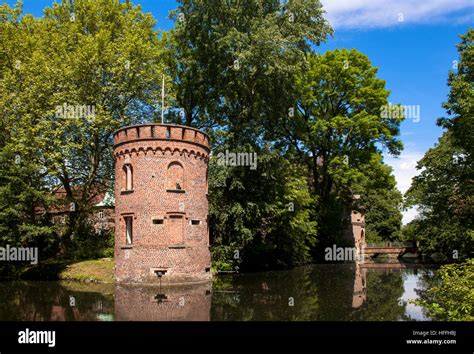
x: 246, y: 72
x: 444, y: 189
x: 67, y: 81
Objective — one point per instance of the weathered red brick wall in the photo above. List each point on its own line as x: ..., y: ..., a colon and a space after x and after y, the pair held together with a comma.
x: 168, y: 204
x: 358, y: 228
x: 355, y: 233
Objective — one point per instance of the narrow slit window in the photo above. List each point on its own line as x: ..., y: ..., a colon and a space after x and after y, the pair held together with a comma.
x: 195, y: 222
x: 158, y: 221
x: 128, y: 177
x: 168, y: 133
x: 128, y: 230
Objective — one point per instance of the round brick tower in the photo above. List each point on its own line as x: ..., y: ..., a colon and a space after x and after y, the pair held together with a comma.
x: 161, y: 205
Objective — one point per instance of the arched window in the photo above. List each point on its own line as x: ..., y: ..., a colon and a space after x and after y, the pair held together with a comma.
x: 128, y: 177
x: 175, y: 176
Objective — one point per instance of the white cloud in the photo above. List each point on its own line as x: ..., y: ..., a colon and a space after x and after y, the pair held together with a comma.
x: 386, y: 13
x: 404, y: 169
x: 409, y: 215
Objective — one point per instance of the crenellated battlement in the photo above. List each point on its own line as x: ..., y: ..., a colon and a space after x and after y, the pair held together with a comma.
x: 164, y: 132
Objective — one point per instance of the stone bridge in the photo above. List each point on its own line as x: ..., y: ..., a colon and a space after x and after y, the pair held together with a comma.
x: 391, y: 249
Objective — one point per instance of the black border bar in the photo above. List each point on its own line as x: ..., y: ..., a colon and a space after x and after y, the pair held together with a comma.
x: 219, y: 337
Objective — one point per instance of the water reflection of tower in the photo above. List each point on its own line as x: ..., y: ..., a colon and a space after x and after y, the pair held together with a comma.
x: 360, y: 286
x: 151, y: 303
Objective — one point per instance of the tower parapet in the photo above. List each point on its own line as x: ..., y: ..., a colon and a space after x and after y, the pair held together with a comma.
x: 164, y: 132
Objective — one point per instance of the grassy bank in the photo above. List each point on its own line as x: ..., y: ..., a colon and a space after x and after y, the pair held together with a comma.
x: 93, y: 271
x: 89, y: 271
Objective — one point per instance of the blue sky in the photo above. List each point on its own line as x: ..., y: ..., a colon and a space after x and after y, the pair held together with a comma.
x: 411, y: 41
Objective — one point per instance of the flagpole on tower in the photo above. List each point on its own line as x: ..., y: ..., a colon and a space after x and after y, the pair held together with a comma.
x: 163, y: 100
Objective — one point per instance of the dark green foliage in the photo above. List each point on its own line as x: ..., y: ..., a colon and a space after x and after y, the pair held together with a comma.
x: 450, y: 296
x: 23, y: 200
x: 91, y: 245
x: 251, y: 213
x: 444, y: 189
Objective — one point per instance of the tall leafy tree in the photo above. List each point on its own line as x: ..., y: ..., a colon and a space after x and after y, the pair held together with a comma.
x: 101, y: 57
x: 460, y: 106
x: 444, y: 189
x: 382, y: 202
x: 233, y: 70
x: 442, y: 226
x: 338, y: 125
x: 338, y: 130
x: 235, y: 59
x: 22, y: 184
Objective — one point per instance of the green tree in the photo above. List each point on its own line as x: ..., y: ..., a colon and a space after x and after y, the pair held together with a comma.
x: 339, y: 129
x: 263, y: 213
x: 382, y: 202
x: 459, y: 105
x: 234, y: 59
x: 233, y: 70
x: 23, y: 192
x: 451, y: 298
x: 100, y: 57
x: 444, y: 189
x: 338, y: 125
x: 439, y: 229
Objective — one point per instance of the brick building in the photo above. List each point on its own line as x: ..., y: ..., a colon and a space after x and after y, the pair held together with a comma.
x: 161, y: 205
x: 102, y: 217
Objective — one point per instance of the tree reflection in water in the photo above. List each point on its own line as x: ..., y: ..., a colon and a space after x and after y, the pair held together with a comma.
x: 329, y: 292
x: 53, y: 301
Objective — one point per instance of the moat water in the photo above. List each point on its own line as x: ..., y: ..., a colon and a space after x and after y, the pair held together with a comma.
x: 337, y: 292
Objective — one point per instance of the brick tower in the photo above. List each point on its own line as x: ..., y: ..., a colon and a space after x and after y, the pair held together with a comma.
x: 161, y: 205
